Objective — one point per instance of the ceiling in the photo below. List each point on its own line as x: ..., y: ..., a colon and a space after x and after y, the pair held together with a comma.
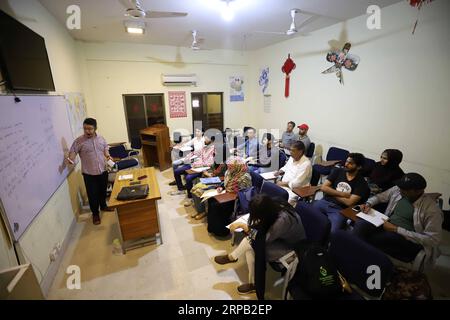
x: 103, y: 20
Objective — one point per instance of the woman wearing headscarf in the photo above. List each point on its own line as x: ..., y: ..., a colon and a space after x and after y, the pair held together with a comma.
x: 387, y: 170
x: 236, y: 179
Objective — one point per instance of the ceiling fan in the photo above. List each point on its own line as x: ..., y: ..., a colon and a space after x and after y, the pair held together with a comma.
x: 134, y: 9
x: 293, y: 29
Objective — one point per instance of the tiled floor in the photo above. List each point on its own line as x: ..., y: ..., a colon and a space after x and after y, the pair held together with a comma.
x: 180, y: 268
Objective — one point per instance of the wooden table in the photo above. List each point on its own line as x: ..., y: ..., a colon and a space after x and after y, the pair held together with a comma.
x: 349, y: 214
x: 306, y: 192
x: 138, y: 219
x: 226, y: 197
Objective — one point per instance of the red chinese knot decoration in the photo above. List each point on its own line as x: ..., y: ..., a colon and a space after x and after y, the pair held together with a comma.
x: 287, y: 68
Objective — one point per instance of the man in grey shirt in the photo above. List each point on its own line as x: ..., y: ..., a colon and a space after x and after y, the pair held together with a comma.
x: 288, y: 138
x: 303, y: 135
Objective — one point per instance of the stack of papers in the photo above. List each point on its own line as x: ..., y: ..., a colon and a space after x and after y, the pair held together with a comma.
x: 268, y: 175
x: 374, y: 217
x: 126, y: 177
x: 243, y: 219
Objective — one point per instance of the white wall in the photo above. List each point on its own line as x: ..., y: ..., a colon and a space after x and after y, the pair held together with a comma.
x: 398, y: 97
x: 118, y: 68
x: 53, y: 223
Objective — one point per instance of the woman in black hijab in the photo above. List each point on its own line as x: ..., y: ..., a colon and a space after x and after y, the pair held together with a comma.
x: 387, y: 170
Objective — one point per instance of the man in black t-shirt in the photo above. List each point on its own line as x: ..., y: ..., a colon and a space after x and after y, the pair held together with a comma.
x: 344, y: 187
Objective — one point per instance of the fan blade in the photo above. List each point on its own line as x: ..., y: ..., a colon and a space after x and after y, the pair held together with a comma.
x: 270, y: 32
x: 307, y: 21
x: 309, y: 13
x: 164, y: 14
x: 127, y: 4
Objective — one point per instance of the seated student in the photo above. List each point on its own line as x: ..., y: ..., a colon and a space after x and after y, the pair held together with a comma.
x: 251, y: 145
x: 344, y: 187
x: 281, y: 230
x: 415, y: 221
x: 303, y: 135
x: 296, y: 172
x: 202, y: 158
x: 236, y: 179
x: 197, y: 143
x: 387, y: 170
x: 288, y: 138
x: 268, y: 157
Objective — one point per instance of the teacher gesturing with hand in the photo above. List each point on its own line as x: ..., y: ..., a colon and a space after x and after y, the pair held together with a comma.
x: 93, y: 151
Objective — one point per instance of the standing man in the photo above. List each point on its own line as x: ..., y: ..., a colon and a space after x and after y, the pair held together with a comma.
x: 93, y: 151
x: 288, y: 138
x: 303, y: 135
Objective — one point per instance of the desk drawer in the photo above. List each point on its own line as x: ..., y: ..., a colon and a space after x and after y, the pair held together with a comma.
x: 138, y: 220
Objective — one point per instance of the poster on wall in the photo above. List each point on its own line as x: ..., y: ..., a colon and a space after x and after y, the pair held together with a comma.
x: 236, y: 88
x: 177, y: 104
x: 264, y: 79
x: 76, y: 108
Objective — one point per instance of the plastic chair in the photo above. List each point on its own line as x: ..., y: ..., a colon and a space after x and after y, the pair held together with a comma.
x: 274, y: 191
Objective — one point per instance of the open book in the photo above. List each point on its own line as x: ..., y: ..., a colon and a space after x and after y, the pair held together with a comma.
x: 374, y: 217
x: 210, y: 193
x: 243, y: 219
x: 268, y: 175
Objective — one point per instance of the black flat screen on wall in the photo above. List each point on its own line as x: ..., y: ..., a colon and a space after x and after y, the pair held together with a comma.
x: 23, y: 57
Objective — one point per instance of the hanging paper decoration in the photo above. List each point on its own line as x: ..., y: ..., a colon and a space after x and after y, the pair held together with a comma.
x: 177, y: 104
x: 287, y: 68
x: 236, y: 88
x: 341, y: 59
x: 264, y: 79
x: 417, y: 4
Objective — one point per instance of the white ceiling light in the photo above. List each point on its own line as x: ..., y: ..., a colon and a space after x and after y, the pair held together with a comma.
x: 135, y: 27
x: 227, y: 12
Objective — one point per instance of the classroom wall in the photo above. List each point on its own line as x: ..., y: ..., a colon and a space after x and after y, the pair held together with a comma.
x: 53, y: 223
x: 398, y: 97
x: 125, y: 68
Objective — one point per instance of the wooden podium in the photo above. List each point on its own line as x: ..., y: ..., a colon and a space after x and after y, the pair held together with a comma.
x: 156, y: 146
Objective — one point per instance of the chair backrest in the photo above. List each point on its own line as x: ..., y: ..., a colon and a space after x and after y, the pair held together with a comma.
x: 357, y: 261
x: 274, y: 191
x: 310, y: 152
x: 335, y: 153
x: 136, y: 143
x: 118, y: 152
x: 257, y: 180
x: 368, y: 167
x: 316, y: 224
x: 177, y: 137
x: 282, y: 158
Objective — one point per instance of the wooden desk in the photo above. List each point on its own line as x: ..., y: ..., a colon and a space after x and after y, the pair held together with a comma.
x: 138, y: 219
x: 306, y: 192
x: 226, y: 197
x: 156, y: 146
x: 349, y: 214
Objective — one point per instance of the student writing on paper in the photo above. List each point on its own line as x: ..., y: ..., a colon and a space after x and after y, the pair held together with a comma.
x: 204, y: 158
x: 273, y: 230
x: 296, y: 172
x: 93, y: 151
x: 236, y: 179
x: 415, y: 221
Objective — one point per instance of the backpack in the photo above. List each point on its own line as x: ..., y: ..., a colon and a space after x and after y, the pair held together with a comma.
x: 242, y: 203
x: 408, y: 285
x: 317, y: 276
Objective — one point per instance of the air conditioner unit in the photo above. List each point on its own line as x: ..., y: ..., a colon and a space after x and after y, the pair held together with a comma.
x: 179, y: 79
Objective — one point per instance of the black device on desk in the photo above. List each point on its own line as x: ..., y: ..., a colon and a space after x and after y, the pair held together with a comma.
x: 357, y: 208
x: 133, y: 192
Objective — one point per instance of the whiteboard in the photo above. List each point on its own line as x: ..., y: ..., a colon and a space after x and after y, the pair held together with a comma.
x: 35, y: 136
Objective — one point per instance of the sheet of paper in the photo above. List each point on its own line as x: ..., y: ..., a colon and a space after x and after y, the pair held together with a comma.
x: 373, y: 216
x: 210, y: 193
x: 200, y: 169
x: 185, y: 149
x: 268, y: 175
x: 243, y: 219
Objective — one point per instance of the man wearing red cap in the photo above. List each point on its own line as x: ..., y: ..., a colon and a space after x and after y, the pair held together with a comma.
x: 303, y: 135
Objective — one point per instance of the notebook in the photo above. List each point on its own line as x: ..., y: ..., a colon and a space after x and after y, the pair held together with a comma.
x: 133, y: 192
x: 212, y: 180
x: 268, y: 175
x: 374, y: 217
x: 243, y: 219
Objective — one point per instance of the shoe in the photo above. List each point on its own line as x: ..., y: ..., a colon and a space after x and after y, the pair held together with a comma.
x: 108, y: 209
x: 246, y: 288
x: 188, y: 203
x: 173, y: 183
x: 96, y: 219
x: 225, y: 259
x: 176, y: 193
x: 200, y: 216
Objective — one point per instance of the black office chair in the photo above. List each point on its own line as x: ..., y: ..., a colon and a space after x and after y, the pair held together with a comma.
x: 310, y: 152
